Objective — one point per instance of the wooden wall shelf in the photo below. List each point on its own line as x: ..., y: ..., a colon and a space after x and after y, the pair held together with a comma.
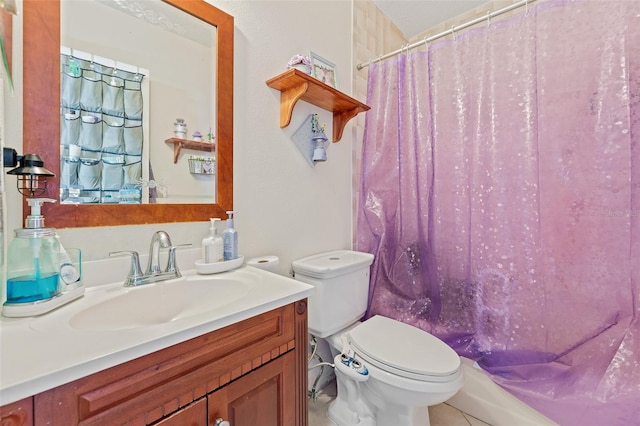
x: 178, y: 144
x: 295, y: 85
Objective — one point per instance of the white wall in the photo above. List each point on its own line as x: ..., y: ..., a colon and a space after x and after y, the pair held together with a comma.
x: 285, y: 207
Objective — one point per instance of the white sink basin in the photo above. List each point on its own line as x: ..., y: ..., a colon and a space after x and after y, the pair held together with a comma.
x: 159, y: 303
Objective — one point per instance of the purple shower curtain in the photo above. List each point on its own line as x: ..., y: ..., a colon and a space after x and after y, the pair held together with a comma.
x: 501, y: 197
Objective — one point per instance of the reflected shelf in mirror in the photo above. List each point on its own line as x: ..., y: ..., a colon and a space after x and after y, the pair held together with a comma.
x: 178, y: 144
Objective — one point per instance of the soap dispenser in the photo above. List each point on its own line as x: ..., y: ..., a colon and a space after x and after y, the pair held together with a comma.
x: 33, y: 268
x: 212, y: 246
x: 230, y: 239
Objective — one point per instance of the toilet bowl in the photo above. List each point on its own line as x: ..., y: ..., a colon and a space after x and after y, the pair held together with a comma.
x: 388, y: 373
x: 408, y: 371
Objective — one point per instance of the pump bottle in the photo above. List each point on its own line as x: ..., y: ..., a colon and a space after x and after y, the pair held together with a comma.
x: 33, y: 268
x: 212, y: 246
x: 35, y: 260
x: 230, y: 239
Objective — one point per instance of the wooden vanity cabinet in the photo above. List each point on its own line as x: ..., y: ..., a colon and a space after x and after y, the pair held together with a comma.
x: 250, y: 373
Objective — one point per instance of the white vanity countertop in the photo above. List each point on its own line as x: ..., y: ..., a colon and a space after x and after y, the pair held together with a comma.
x: 40, y: 353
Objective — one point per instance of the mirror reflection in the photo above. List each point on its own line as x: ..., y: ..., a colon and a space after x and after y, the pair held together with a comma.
x: 42, y: 115
x: 137, y: 117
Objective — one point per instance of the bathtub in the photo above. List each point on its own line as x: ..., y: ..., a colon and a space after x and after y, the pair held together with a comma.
x: 485, y: 400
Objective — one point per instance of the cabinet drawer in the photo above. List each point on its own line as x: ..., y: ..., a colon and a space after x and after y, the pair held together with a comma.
x: 149, y: 388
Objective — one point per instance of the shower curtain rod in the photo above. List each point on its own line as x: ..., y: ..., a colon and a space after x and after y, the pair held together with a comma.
x: 452, y: 30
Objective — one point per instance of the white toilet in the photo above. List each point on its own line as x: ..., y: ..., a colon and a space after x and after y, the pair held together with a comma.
x: 388, y: 372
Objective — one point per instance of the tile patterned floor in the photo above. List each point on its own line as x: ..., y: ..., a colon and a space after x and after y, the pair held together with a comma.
x: 440, y: 415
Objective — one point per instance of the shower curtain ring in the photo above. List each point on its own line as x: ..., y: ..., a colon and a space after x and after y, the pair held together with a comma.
x: 426, y: 42
x: 453, y: 32
x: 488, y: 19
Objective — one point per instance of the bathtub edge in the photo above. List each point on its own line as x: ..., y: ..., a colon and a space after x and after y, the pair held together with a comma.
x: 481, y: 398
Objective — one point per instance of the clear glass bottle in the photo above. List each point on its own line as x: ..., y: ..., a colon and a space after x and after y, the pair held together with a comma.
x: 33, y: 266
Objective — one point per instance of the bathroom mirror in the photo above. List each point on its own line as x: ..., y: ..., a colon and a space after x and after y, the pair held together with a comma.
x: 41, y: 126
x: 129, y: 71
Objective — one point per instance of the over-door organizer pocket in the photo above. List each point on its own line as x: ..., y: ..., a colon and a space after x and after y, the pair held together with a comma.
x: 112, y: 173
x: 89, y: 173
x: 69, y: 172
x: 91, y: 95
x: 131, y: 170
x: 113, y: 97
x: 133, y: 139
x: 133, y: 104
x: 91, y: 136
x: 70, y: 91
x: 70, y: 130
x: 113, y: 138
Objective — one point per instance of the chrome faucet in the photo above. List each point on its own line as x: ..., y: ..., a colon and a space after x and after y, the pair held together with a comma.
x: 159, y: 240
x: 154, y: 273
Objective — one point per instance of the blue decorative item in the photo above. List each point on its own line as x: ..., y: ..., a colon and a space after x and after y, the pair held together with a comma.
x: 311, y: 140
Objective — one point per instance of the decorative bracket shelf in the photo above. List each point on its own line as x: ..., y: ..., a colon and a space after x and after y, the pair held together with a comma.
x: 178, y: 144
x: 295, y: 85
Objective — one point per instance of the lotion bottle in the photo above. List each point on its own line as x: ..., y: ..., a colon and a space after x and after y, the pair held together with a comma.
x: 212, y: 247
x: 230, y: 239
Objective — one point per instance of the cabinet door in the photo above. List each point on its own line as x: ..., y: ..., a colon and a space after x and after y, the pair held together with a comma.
x: 194, y: 414
x: 19, y: 413
x: 265, y: 397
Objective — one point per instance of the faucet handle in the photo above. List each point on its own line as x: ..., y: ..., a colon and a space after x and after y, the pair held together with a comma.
x: 172, y: 266
x: 135, y: 272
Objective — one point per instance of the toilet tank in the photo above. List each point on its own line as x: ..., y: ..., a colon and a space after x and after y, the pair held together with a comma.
x: 341, y: 281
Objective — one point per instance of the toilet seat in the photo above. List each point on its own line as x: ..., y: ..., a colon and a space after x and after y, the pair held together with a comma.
x: 404, y: 350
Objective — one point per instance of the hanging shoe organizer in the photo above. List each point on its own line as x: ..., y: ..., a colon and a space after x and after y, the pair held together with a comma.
x: 101, y: 133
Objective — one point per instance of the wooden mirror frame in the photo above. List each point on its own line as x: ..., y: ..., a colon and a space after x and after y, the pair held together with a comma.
x: 41, y: 121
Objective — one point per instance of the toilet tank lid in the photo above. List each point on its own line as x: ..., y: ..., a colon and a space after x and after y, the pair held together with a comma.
x: 332, y: 264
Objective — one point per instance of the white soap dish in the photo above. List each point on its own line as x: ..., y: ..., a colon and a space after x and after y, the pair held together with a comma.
x: 214, y: 268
